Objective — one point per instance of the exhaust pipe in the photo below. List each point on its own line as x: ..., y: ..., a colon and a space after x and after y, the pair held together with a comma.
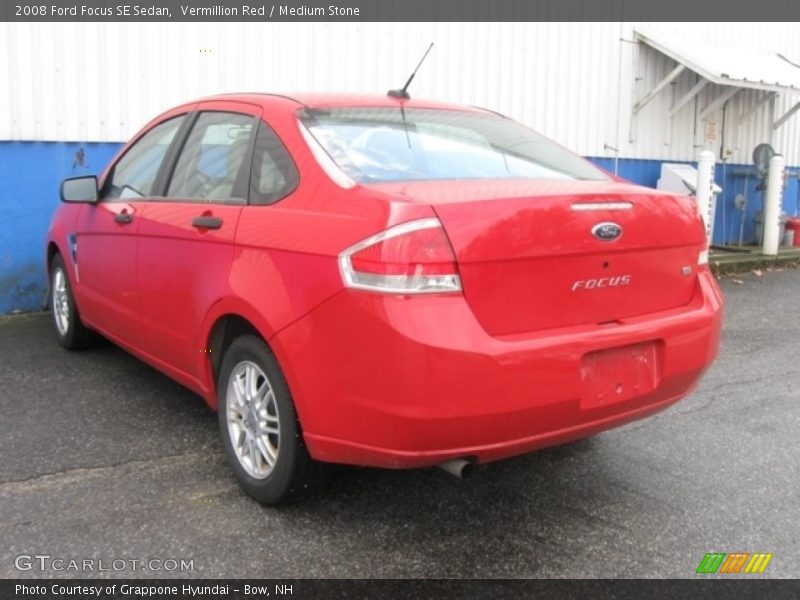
x: 459, y: 467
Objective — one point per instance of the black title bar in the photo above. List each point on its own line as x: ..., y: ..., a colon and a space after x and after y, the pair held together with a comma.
x: 394, y: 589
x: 398, y: 10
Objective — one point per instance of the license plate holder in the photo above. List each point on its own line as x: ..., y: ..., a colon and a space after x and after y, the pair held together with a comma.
x: 613, y: 375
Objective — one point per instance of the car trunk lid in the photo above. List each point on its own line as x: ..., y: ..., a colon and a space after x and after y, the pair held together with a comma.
x: 529, y: 260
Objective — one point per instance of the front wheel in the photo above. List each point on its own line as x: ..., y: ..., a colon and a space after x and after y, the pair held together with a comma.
x: 259, y: 426
x: 70, y: 331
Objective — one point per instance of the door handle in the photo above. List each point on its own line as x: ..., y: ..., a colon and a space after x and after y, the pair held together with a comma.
x: 207, y: 222
x: 123, y: 218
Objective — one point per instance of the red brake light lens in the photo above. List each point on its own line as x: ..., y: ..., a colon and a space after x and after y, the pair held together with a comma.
x: 424, y: 251
x: 412, y: 258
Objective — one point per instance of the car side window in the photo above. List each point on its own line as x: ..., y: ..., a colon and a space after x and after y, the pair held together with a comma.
x: 211, y: 161
x: 135, y: 173
x: 274, y: 175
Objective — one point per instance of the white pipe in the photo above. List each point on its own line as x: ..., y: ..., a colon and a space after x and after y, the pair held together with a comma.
x: 704, y: 193
x: 770, y: 239
x: 459, y: 467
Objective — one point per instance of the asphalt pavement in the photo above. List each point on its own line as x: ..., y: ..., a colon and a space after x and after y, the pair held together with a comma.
x: 104, y: 458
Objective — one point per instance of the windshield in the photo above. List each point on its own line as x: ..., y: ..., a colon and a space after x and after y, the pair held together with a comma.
x: 374, y: 145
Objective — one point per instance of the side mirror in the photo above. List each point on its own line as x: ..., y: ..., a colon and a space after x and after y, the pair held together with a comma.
x: 79, y: 189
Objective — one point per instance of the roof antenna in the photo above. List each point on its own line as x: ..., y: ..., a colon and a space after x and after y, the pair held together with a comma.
x: 403, y: 93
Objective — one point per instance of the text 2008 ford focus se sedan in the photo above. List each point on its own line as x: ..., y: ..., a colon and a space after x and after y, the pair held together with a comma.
x: 382, y: 281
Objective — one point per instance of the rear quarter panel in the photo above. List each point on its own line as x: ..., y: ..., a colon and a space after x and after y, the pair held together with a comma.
x: 285, y: 260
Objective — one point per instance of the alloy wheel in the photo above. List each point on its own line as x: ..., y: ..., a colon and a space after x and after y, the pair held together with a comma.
x: 60, y: 302
x: 253, y: 420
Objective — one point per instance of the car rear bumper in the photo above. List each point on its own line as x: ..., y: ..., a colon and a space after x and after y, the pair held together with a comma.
x: 400, y: 382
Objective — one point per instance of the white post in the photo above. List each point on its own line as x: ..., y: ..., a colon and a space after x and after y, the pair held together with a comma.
x: 770, y: 239
x: 705, y: 189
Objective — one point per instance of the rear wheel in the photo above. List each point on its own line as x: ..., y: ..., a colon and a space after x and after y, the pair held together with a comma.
x: 70, y: 331
x: 259, y: 426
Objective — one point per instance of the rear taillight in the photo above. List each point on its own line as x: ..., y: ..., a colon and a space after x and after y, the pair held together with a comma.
x: 412, y: 258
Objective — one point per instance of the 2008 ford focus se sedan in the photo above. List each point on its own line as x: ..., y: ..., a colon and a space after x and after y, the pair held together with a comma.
x: 382, y: 281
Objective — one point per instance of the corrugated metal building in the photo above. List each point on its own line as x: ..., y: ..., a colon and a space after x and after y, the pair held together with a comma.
x: 69, y: 87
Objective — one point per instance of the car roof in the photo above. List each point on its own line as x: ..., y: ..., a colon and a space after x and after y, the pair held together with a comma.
x: 329, y: 100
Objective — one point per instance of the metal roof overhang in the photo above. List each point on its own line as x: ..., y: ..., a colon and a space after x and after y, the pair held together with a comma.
x: 734, y: 67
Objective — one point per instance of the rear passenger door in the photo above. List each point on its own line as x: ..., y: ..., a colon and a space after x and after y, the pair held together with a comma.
x: 186, y: 237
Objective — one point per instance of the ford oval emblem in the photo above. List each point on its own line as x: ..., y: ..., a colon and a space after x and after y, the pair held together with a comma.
x: 607, y: 232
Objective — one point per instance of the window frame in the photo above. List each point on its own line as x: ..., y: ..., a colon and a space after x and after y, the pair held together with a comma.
x: 186, y: 115
x: 166, y: 170
x: 307, y: 118
x: 251, y: 180
x: 240, y: 192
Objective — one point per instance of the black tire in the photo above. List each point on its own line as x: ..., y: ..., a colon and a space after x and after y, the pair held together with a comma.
x: 75, y: 335
x: 294, y: 473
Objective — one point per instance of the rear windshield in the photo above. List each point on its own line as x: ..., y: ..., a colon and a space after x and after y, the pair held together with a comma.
x: 374, y: 145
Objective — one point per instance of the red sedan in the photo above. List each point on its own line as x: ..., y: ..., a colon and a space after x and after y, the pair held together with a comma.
x: 375, y: 280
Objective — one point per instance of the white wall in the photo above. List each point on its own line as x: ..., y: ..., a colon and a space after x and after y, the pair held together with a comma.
x: 685, y: 134
x: 572, y: 81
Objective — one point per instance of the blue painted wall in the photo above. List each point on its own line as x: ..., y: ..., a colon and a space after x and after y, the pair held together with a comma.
x: 31, y: 173
x: 727, y: 218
